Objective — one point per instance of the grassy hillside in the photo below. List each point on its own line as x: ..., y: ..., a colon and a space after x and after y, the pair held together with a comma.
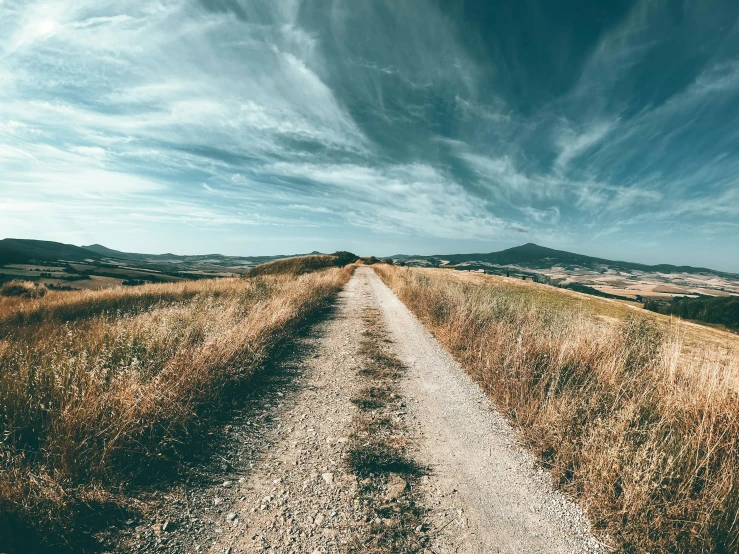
x: 101, y: 389
x: 299, y: 265
x: 635, y: 416
x: 14, y: 251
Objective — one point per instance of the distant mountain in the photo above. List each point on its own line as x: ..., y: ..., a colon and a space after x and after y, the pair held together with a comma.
x: 20, y: 251
x: 106, y: 252
x: 110, y: 253
x: 28, y: 250
x: 217, y: 258
x: 533, y: 256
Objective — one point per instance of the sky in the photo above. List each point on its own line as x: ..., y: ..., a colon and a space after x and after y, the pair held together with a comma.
x: 254, y: 127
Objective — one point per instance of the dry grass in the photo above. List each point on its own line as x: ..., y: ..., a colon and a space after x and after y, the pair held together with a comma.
x: 100, y: 389
x: 22, y: 289
x: 298, y: 265
x: 642, y: 430
x: 379, y: 454
x: 60, y: 307
x: 295, y: 266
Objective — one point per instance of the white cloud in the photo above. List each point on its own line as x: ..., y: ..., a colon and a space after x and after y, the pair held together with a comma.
x: 179, y: 79
x: 549, y: 215
x: 500, y: 173
x: 573, y: 144
x: 413, y: 198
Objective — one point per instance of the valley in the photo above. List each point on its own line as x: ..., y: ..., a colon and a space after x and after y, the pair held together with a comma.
x: 61, y: 266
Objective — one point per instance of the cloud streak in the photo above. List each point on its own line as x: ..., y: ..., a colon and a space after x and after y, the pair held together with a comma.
x: 383, y: 124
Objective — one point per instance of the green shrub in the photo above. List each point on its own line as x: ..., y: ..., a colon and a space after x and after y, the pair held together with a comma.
x: 344, y: 258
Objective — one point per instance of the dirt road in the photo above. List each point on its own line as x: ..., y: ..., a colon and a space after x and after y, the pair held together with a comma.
x: 284, y: 484
x: 505, y: 504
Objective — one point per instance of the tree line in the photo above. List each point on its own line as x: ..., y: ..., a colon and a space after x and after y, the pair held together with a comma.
x: 723, y: 309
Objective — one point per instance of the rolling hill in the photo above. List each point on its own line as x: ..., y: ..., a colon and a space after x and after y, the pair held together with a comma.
x: 589, y: 274
x: 533, y: 256
x: 153, y: 258
x: 18, y: 251
x: 66, y: 266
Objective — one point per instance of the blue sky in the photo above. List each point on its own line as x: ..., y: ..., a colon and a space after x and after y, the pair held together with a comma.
x: 276, y: 126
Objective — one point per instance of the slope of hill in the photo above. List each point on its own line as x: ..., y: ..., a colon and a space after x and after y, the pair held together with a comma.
x: 18, y: 251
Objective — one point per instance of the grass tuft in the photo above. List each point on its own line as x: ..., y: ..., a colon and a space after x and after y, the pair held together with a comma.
x: 23, y: 289
x: 372, y: 398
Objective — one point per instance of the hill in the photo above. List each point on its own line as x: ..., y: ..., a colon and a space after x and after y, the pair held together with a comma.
x: 298, y: 265
x: 20, y: 251
x: 64, y: 266
x: 598, y: 276
x: 211, y: 258
x: 533, y: 256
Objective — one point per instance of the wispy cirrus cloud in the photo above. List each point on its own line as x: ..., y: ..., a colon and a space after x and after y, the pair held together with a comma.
x: 378, y: 123
x: 409, y: 199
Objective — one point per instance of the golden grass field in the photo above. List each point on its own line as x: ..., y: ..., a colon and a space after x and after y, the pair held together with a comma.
x: 101, y: 388
x: 634, y: 414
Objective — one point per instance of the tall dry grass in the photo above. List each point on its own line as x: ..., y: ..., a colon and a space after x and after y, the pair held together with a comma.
x: 299, y: 265
x: 643, y: 432
x: 22, y: 289
x: 296, y: 265
x: 98, y: 388
x: 60, y: 307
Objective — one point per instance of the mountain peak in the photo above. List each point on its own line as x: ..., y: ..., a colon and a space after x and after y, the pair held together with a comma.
x: 529, y: 247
